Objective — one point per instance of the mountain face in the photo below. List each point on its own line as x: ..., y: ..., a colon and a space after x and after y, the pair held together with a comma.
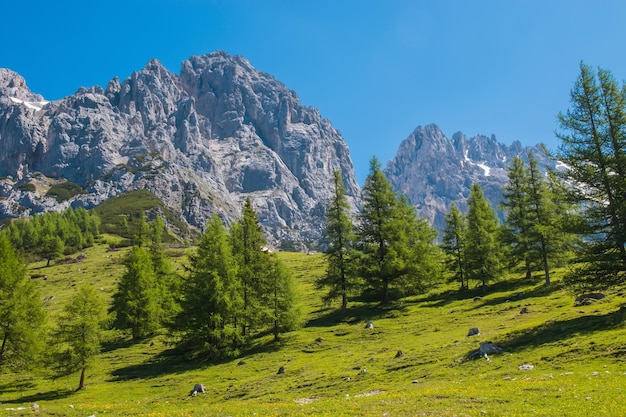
x: 434, y: 171
x: 202, y: 141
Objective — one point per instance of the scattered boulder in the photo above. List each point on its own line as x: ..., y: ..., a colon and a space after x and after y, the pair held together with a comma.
x: 369, y: 325
x: 281, y: 370
x: 524, y: 310
x: 399, y: 354
x: 478, y: 298
x: 473, y: 332
x: 526, y: 367
x: 240, y: 363
x: 196, y: 389
x: 319, y: 340
x: 488, y: 348
x: 363, y: 371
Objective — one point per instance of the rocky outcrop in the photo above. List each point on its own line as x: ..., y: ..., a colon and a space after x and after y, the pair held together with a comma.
x: 203, y: 141
x: 433, y: 171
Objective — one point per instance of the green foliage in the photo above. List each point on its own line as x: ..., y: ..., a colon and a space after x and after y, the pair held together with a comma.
x: 483, y: 250
x: 21, y: 313
x: 80, y: 331
x: 135, y: 302
x: 251, y: 260
x: 285, y: 315
x: 51, y: 247
x: 64, y: 191
x: 118, y: 214
x: 212, y: 304
x: 28, y: 187
x: 453, y: 244
x: 594, y: 147
x: 341, y: 276
x: 52, y: 234
x: 397, y: 249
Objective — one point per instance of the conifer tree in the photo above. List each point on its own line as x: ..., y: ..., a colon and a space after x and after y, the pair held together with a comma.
x: 340, y: 277
x: 483, y: 250
x: 249, y: 247
x: 396, y: 248
x: 81, y: 328
x: 21, y: 313
x: 212, y: 305
x: 285, y: 315
x: 453, y: 244
x: 136, y: 302
x: 519, y: 216
x: 593, y: 145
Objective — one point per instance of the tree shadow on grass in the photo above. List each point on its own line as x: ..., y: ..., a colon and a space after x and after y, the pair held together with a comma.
x: 539, y: 291
x: 444, y: 298
x: 172, y: 361
x: 355, y: 315
x: 559, y: 330
x: 42, y: 396
x: 16, y: 386
x: 178, y: 360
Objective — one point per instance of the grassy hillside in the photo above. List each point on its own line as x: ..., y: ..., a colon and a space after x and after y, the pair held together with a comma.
x: 335, y: 366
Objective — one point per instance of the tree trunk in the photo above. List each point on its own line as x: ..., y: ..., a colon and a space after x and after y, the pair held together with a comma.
x: 344, y: 303
x: 4, y: 344
x: 81, y: 384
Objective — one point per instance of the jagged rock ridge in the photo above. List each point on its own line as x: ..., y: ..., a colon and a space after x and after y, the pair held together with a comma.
x: 434, y: 171
x: 203, y: 141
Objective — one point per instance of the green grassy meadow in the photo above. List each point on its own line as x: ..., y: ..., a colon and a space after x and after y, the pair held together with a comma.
x: 334, y: 366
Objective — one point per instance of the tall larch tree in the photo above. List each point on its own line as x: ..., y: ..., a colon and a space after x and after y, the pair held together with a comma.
x: 340, y: 278
x: 285, y: 315
x: 212, y: 305
x: 396, y: 249
x: 593, y: 142
x: 80, y: 331
x: 517, y: 228
x: 483, y: 250
x: 136, y: 303
x: 249, y: 248
x: 453, y: 244
x: 21, y: 313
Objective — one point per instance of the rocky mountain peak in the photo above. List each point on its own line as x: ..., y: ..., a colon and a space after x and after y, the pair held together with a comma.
x: 434, y: 171
x: 203, y: 141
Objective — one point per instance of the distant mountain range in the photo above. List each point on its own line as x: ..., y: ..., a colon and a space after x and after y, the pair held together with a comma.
x: 209, y: 137
x: 434, y: 171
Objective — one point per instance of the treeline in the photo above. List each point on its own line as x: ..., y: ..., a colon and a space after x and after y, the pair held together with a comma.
x: 234, y: 288
x: 576, y: 217
x: 52, y: 234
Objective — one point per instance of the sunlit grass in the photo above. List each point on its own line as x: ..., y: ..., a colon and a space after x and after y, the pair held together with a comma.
x: 334, y: 366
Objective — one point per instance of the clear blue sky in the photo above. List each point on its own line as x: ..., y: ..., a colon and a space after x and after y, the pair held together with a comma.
x: 376, y: 69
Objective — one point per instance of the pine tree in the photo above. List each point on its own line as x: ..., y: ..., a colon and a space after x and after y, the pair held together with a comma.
x: 453, y: 244
x: 340, y: 279
x: 212, y: 305
x: 519, y: 216
x: 135, y: 302
x: 167, y: 281
x: 249, y: 247
x: 483, y: 251
x: 285, y: 315
x: 51, y: 247
x: 81, y: 328
x: 21, y: 313
x: 396, y: 248
x: 593, y: 142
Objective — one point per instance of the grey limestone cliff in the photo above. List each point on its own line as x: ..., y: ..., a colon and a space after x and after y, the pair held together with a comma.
x: 203, y: 141
x: 433, y: 171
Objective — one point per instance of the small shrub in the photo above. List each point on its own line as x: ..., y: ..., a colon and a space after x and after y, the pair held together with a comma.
x: 64, y: 191
x: 28, y: 187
